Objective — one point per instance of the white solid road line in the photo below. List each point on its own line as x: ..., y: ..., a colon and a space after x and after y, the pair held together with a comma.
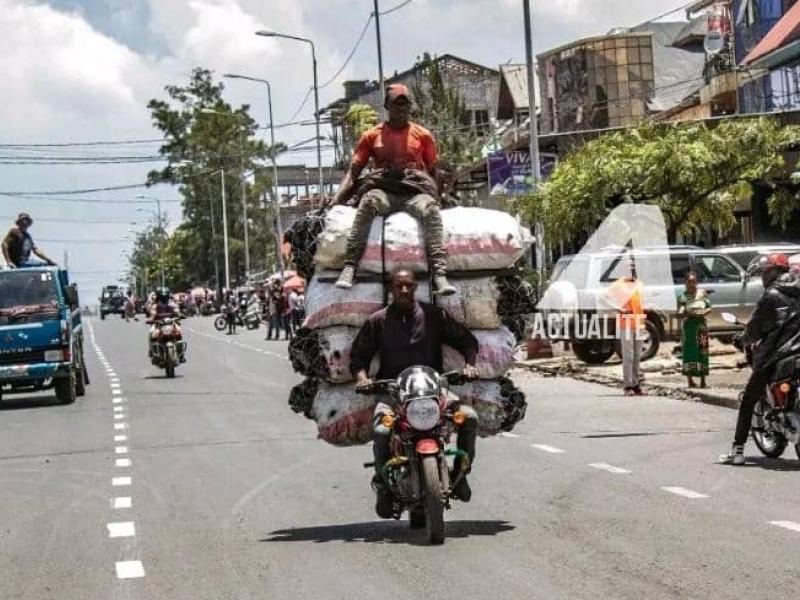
x: 122, y: 502
x: 129, y: 569
x: 124, y: 529
x: 122, y: 462
x: 121, y: 481
x: 692, y: 495
x: 550, y: 449
x: 609, y: 468
x: 790, y: 525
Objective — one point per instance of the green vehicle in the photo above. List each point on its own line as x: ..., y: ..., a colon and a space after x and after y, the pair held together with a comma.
x: 112, y: 301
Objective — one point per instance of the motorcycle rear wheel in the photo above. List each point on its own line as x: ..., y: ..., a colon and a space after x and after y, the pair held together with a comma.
x: 771, y: 444
x: 434, y: 500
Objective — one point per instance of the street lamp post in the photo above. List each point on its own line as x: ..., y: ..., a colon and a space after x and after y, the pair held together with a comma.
x: 316, y: 96
x: 160, y: 234
x: 536, y: 174
x: 225, y: 231
x: 276, y: 192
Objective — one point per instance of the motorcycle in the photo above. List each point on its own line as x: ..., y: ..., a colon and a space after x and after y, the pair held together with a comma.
x: 776, y: 416
x: 167, y: 346
x: 418, y: 474
x: 221, y: 322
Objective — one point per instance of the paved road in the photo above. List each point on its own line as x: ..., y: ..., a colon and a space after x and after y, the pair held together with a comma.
x: 223, y: 493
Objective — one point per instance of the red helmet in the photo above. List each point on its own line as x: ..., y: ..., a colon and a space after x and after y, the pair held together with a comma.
x: 776, y: 261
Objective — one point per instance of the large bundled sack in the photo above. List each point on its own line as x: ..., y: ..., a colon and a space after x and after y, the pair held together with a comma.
x: 476, y: 239
x: 327, y: 305
x: 325, y: 354
x: 495, y: 354
x: 475, y: 302
x: 344, y: 418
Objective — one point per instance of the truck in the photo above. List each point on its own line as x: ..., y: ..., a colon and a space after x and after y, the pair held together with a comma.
x: 112, y: 301
x: 41, y: 334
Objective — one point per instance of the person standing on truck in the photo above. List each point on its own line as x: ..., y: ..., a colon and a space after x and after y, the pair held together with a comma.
x: 18, y: 245
x: 405, y: 157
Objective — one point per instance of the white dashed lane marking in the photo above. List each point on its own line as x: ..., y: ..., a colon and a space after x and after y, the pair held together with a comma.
x: 549, y: 449
x: 129, y: 569
x: 121, y: 450
x: 790, y: 525
x: 121, y: 481
x: 122, y: 502
x: 119, y: 426
x: 122, y: 462
x: 125, y: 529
x: 609, y: 468
x: 692, y: 495
x: 120, y: 438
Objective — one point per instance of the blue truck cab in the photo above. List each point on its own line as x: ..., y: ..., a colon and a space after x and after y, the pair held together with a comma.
x: 41, y: 333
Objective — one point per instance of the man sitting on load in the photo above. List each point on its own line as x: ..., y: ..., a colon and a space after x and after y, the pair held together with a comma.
x: 404, y: 155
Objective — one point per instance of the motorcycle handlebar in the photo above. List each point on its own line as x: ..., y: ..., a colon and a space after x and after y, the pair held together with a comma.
x: 381, y: 386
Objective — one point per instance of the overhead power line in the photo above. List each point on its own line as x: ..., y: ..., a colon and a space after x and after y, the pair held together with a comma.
x: 352, y: 52
x: 389, y: 11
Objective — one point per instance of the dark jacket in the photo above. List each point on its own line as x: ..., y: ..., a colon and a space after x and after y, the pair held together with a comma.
x: 404, y: 341
x: 775, y: 323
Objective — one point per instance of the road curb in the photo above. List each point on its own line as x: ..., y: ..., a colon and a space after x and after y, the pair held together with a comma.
x: 653, y: 389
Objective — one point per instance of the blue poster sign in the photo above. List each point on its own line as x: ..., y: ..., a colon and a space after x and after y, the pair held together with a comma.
x: 510, y: 171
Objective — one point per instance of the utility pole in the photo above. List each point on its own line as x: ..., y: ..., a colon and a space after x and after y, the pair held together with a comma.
x: 536, y: 173
x: 244, y: 217
x: 225, y: 232
x: 377, y: 16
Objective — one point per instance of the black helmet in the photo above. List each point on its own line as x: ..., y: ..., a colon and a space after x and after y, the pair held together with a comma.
x: 162, y: 294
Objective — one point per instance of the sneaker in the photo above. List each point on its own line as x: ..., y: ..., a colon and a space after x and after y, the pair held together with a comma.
x: 735, y: 457
x: 637, y: 391
x: 346, y: 277
x: 443, y: 287
x: 462, y: 491
x: 384, y: 500
x: 630, y: 392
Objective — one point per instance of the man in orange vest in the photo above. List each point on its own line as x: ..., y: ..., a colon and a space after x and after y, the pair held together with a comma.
x: 627, y: 296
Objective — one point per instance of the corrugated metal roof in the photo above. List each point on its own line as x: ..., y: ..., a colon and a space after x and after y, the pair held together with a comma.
x: 513, y: 86
x: 786, y: 30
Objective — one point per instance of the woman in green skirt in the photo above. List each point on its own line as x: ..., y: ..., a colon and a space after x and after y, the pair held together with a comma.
x: 693, y: 306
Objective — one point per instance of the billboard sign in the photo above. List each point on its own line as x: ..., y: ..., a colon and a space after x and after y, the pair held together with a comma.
x: 510, y: 171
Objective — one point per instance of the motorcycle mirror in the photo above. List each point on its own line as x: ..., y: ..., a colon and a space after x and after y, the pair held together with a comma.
x: 729, y: 318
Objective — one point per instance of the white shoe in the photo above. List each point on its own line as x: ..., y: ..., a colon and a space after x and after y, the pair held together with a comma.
x: 735, y: 457
x: 346, y: 277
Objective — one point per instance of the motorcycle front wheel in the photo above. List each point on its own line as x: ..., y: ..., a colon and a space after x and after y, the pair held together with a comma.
x: 771, y: 443
x: 434, y: 500
x: 220, y: 323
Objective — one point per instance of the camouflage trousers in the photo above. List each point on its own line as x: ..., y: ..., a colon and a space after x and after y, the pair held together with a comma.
x: 381, y: 203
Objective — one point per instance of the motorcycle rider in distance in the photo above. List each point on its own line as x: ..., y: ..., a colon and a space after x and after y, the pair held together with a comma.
x: 162, y: 307
x: 404, y: 334
x: 404, y: 155
x: 773, y: 330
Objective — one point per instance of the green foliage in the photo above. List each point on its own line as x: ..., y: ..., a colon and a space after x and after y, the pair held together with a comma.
x: 694, y: 173
x: 440, y: 107
x: 206, y: 139
x: 360, y: 118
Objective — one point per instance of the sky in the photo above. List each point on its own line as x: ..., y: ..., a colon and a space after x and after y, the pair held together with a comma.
x: 84, y: 70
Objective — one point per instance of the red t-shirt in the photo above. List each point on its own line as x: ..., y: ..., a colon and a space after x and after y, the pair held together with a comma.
x: 412, y: 147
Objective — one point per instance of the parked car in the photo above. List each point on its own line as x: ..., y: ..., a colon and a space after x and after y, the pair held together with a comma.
x: 745, y: 254
x: 590, y: 274
x: 112, y: 301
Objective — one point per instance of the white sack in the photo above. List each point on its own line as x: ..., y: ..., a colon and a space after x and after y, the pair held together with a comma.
x: 474, y: 304
x: 486, y: 398
x: 335, y: 345
x: 476, y: 239
x: 327, y: 305
x: 495, y: 354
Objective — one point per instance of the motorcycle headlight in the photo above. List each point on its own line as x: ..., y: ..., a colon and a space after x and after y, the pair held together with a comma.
x: 423, y: 413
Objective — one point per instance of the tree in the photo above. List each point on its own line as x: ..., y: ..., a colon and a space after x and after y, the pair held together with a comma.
x: 694, y: 173
x: 440, y: 107
x: 206, y: 140
x: 360, y: 118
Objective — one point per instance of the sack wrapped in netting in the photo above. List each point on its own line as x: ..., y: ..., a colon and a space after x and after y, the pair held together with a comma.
x: 476, y: 239
x: 325, y: 353
x: 344, y: 418
x: 517, y: 299
x: 475, y: 302
x: 327, y: 305
x: 303, y: 236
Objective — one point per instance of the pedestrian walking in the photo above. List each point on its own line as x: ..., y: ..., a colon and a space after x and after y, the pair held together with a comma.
x: 693, y: 306
x: 130, y: 307
x: 626, y: 295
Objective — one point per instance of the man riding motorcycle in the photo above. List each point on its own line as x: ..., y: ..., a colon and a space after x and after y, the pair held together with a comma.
x: 162, y: 307
x: 404, y: 334
x: 774, y: 333
x: 404, y: 155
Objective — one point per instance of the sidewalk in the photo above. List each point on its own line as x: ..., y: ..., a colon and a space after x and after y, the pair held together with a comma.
x: 661, y: 374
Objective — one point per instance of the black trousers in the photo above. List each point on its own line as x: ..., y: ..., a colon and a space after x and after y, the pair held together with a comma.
x: 753, y: 392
